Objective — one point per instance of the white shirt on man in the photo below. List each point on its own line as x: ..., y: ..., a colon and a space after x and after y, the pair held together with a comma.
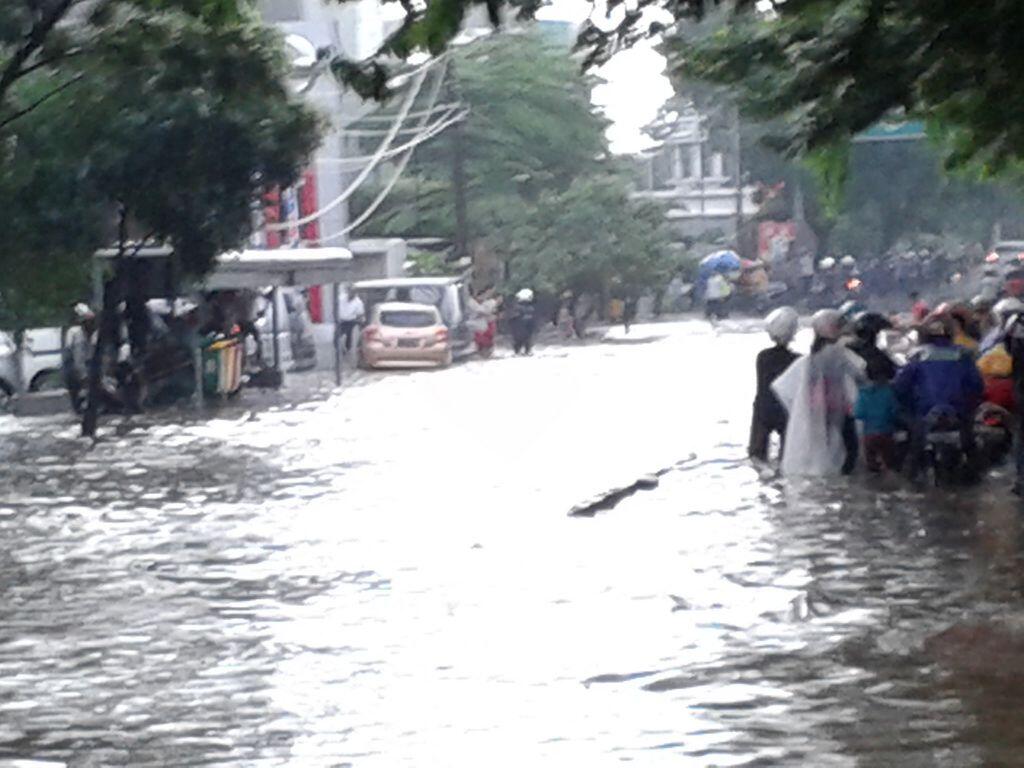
x: 350, y: 309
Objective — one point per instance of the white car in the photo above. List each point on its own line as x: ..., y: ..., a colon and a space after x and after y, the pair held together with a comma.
x: 402, y: 333
x: 40, y: 363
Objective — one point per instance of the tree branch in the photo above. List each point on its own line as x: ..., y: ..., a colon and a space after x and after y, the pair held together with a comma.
x: 39, y: 102
x: 52, y: 60
x: 142, y: 244
x: 33, y: 42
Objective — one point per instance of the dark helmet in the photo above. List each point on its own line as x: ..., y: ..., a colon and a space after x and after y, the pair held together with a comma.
x: 937, y: 325
x: 867, y: 325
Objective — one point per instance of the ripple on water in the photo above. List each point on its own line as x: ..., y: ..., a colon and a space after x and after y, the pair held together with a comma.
x: 365, y: 580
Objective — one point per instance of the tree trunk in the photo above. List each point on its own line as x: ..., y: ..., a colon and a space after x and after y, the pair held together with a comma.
x: 20, y: 385
x: 106, y: 339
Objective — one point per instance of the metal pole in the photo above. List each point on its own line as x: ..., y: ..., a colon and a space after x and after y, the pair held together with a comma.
x: 739, y: 177
x: 197, y: 364
x: 97, y: 284
x: 337, y: 338
x: 274, y: 330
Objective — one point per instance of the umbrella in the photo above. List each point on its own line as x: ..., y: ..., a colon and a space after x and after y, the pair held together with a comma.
x: 721, y: 261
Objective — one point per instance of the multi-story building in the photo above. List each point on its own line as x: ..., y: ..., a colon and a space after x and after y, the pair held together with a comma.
x: 354, y: 30
x: 696, y: 170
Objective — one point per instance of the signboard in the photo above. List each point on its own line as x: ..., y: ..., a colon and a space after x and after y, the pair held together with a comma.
x: 773, y: 240
x: 290, y: 213
x: 910, y: 130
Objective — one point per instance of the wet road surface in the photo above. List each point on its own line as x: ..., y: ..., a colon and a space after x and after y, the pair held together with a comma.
x: 389, y: 577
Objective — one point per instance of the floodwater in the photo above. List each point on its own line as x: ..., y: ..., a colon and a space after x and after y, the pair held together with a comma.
x: 389, y: 577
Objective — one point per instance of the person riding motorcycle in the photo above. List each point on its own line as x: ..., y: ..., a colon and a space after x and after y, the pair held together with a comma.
x: 963, y: 326
x: 1002, y: 313
x: 866, y: 327
x: 939, y: 378
x: 983, y: 315
x: 994, y: 359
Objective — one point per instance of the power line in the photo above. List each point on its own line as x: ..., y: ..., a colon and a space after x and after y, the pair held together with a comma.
x: 372, y: 207
x: 423, y: 134
x: 414, y: 90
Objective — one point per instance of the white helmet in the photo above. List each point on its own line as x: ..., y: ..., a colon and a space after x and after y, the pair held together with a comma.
x: 848, y: 261
x: 827, y: 263
x: 781, y: 324
x: 1008, y: 306
x: 83, y: 311
x: 525, y: 295
x: 183, y: 306
x: 828, y: 324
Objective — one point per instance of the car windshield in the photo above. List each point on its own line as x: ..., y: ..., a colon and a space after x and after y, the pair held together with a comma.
x: 408, y: 318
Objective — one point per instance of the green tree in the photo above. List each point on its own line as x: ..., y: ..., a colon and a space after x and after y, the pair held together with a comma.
x: 591, y: 238
x: 537, y: 174
x: 176, y: 125
x: 897, y: 191
x: 530, y: 128
x: 831, y: 68
x: 56, y: 41
x: 827, y: 68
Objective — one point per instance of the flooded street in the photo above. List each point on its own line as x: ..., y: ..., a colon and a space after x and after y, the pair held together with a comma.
x: 389, y: 577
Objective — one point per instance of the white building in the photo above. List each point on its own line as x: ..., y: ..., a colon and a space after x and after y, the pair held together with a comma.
x: 696, y: 172
x: 355, y: 30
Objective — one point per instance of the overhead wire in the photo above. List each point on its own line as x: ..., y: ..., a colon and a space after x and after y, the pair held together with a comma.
x: 420, y: 76
x: 399, y: 170
x: 424, y: 133
x: 375, y: 203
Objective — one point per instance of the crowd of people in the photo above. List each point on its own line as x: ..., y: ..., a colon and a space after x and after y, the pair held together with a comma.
x: 946, y: 369
x: 800, y: 278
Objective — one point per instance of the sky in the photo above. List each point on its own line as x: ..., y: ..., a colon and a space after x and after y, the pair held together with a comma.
x: 636, y: 86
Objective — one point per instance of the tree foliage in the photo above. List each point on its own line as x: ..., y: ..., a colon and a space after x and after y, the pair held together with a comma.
x: 831, y: 68
x: 62, y: 37
x: 827, y: 68
x: 173, y: 121
x: 897, y: 191
x: 591, y: 238
x: 543, y: 196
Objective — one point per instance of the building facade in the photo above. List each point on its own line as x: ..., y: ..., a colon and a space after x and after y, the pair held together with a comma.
x: 696, y: 171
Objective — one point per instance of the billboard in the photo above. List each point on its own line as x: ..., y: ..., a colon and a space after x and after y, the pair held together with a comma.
x: 773, y: 239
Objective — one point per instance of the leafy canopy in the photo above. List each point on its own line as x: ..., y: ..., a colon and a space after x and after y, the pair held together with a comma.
x: 542, y: 194
x: 826, y: 68
x: 175, y: 121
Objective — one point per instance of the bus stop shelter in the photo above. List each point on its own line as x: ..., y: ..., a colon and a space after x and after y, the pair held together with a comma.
x: 253, y: 269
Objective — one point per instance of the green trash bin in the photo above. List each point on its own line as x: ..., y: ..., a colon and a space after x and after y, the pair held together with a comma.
x: 222, y: 361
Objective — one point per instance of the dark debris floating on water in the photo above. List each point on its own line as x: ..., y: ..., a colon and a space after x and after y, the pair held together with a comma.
x: 611, y: 498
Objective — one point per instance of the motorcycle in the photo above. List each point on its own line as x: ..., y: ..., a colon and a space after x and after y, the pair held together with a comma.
x: 943, y: 448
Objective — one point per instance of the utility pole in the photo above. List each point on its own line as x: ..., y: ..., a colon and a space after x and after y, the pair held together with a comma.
x: 738, y: 147
x: 458, y: 175
x: 459, y: 190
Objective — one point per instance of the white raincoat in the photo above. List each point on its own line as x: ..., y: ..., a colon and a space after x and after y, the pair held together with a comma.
x: 818, y: 391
